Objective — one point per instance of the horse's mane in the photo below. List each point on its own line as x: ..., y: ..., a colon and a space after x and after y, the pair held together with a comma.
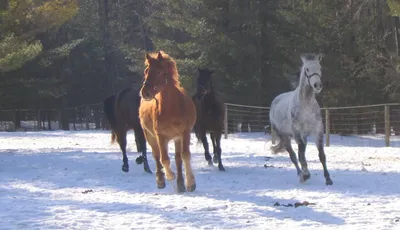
x: 170, y: 62
x: 310, y: 56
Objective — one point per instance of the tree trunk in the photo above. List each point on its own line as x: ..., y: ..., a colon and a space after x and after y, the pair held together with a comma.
x: 396, y: 26
x: 108, y: 87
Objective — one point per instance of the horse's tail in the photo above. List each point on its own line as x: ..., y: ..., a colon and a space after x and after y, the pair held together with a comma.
x: 197, y: 133
x: 109, y: 110
x: 280, y: 147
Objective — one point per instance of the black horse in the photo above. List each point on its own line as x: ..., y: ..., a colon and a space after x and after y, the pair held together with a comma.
x: 210, y: 116
x: 122, y: 113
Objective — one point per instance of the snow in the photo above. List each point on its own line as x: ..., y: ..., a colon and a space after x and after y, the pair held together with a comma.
x: 73, y: 180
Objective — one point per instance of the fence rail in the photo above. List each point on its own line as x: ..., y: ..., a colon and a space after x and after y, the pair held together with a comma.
x: 381, y: 119
x: 350, y: 120
x: 74, y: 118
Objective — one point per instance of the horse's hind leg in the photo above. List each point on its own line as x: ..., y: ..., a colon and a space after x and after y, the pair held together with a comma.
x: 322, y: 157
x: 206, y: 149
x: 178, y: 162
x: 302, y: 143
x: 141, y: 147
x: 121, y: 138
x: 292, y: 154
x: 217, y: 139
x: 190, y: 180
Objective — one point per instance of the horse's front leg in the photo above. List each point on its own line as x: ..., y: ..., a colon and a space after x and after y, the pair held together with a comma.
x: 178, y: 162
x: 206, y: 149
x: 190, y: 180
x: 160, y: 180
x: 214, y: 144
x: 164, y: 158
x: 322, y: 157
x: 302, y: 143
x: 217, y: 138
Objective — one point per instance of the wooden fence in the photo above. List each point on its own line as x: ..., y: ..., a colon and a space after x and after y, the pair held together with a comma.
x: 350, y: 120
x: 383, y: 119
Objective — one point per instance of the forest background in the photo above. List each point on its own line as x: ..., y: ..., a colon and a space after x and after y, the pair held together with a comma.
x: 63, y: 53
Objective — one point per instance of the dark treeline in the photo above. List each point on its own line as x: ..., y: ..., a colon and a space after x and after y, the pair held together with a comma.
x: 63, y: 53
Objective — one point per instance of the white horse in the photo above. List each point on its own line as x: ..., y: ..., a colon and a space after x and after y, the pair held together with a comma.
x: 297, y: 114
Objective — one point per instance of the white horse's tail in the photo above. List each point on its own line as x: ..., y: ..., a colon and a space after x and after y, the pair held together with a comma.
x: 280, y: 147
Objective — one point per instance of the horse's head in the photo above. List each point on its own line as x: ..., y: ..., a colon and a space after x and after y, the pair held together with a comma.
x: 160, y: 70
x: 312, y: 71
x: 204, y: 82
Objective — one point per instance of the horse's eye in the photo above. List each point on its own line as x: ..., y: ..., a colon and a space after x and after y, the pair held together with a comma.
x: 154, y: 88
x: 307, y: 69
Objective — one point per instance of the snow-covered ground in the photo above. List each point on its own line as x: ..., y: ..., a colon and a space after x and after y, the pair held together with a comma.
x: 73, y: 180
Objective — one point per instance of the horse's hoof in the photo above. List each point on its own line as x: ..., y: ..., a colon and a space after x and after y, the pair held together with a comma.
x: 170, y: 176
x: 306, y: 177
x: 221, y: 168
x: 125, y: 168
x: 146, y: 169
x: 161, y: 184
x: 215, y: 159
x: 191, y: 188
x: 181, y: 188
x: 210, y: 163
x: 139, y: 160
x: 329, y: 182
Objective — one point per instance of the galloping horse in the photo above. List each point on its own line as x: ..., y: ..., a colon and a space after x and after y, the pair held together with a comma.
x: 167, y: 113
x: 122, y: 112
x: 297, y: 114
x: 210, y: 116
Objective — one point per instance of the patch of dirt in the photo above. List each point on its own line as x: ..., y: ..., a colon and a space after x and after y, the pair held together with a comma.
x: 296, y: 205
x: 271, y: 166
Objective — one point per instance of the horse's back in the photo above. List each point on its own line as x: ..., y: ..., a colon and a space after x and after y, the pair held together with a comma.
x: 128, y: 102
x: 279, y: 113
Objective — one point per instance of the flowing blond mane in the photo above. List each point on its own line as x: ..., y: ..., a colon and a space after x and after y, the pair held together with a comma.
x: 166, y: 61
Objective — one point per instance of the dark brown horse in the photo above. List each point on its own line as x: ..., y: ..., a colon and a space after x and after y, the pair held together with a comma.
x: 122, y: 112
x: 167, y: 113
x: 210, y: 116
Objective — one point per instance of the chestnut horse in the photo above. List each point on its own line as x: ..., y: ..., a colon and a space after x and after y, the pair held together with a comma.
x: 122, y: 113
x: 167, y: 113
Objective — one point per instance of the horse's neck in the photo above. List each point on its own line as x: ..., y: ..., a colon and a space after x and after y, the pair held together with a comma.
x: 304, y: 92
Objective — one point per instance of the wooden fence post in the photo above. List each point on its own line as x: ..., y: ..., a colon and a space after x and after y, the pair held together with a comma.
x: 327, y: 127
x: 387, y: 125
x: 226, y: 122
x: 87, y: 116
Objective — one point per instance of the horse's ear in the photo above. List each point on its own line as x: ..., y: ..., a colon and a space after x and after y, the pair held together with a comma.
x: 303, y: 58
x: 159, y: 56
x: 319, y: 57
x: 148, y: 57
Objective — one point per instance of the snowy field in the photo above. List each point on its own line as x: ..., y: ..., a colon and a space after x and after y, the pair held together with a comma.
x: 73, y: 180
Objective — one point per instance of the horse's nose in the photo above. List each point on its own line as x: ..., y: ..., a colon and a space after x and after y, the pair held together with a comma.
x: 317, y: 85
x: 146, y: 94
